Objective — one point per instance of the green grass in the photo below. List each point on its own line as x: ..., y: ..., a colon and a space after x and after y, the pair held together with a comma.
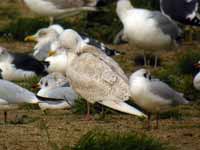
x: 108, y: 140
x: 172, y: 114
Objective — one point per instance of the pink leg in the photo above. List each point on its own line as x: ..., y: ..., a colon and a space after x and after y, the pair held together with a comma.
x: 88, y: 116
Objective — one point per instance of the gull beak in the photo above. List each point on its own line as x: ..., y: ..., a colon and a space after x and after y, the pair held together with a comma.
x: 51, y: 53
x: 31, y: 38
x: 197, y: 65
x: 36, y: 86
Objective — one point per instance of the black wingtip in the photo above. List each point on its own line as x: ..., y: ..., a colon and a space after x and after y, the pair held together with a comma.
x: 48, y: 99
x: 1, y: 77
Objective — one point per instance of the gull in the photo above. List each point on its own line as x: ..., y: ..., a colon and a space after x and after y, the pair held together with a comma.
x: 148, y: 30
x: 44, y: 38
x: 153, y: 95
x: 55, y: 86
x: 95, y: 76
x: 184, y: 11
x: 11, y: 95
x: 196, y: 80
x: 59, y: 8
x: 16, y: 66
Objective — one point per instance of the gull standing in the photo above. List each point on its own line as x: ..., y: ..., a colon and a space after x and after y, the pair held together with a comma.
x: 55, y: 86
x: 59, y: 8
x: 95, y: 76
x: 153, y: 95
x: 16, y: 66
x: 148, y: 30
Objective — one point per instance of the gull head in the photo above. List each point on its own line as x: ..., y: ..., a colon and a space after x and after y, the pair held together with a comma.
x: 52, y: 80
x: 3, y: 53
x: 71, y: 41
x: 56, y: 27
x: 123, y: 6
x: 197, y: 65
x: 143, y: 73
x: 43, y: 35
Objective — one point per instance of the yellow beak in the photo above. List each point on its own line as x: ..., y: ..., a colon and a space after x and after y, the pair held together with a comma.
x: 51, y: 53
x: 31, y: 38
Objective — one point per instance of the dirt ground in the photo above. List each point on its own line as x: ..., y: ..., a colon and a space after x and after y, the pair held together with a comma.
x: 64, y: 128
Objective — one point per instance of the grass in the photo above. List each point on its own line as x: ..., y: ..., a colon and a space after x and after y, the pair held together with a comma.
x: 108, y: 140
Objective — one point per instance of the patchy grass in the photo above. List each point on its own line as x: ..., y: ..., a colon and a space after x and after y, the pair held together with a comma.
x: 108, y: 140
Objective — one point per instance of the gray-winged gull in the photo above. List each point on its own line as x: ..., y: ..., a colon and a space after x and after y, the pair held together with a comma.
x: 11, y: 94
x: 95, y: 76
x: 59, y: 8
x: 56, y: 86
x: 148, y: 30
x: 153, y: 95
x: 17, y: 66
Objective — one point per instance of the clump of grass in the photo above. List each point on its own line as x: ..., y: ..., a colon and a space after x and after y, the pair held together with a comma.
x: 24, y: 119
x: 108, y: 140
x: 28, y: 83
x: 21, y: 27
x: 172, y: 114
x: 186, y: 61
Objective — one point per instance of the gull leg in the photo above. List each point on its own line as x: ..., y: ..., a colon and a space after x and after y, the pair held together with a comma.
x: 51, y: 20
x: 157, y: 121
x: 156, y: 61
x: 5, y: 116
x: 88, y: 116
x: 145, y: 59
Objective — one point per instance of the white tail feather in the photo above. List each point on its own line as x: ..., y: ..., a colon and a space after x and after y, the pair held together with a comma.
x: 123, y: 107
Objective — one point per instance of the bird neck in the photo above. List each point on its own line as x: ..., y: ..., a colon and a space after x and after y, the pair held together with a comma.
x: 122, y: 7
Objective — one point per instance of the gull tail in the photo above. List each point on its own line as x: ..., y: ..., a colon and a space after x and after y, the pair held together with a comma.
x: 123, y: 107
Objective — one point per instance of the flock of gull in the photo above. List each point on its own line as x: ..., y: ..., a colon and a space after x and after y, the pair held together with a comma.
x: 73, y: 65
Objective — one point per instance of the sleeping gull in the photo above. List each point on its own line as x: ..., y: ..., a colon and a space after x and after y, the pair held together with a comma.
x: 59, y: 8
x: 184, y: 11
x: 16, y: 66
x: 153, y: 95
x: 11, y: 94
x: 196, y: 80
x: 95, y: 76
x: 148, y: 30
x: 56, y: 86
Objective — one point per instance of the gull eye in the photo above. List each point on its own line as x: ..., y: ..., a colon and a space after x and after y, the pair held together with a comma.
x: 41, y: 82
x: 145, y: 75
x: 46, y: 84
